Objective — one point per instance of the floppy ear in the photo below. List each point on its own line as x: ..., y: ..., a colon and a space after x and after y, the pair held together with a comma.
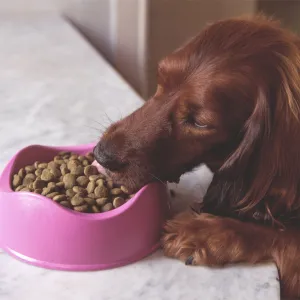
x: 268, y: 156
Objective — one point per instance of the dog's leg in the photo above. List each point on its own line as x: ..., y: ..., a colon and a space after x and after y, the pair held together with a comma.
x: 203, y: 239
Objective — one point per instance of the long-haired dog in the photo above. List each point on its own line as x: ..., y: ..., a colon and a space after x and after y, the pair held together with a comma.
x: 229, y: 98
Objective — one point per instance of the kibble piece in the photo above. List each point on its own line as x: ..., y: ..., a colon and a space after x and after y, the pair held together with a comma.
x: 22, y: 173
x: 124, y: 190
x: 82, y: 193
x: 110, y: 184
x: 101, y: 192
x: 90, y: 170
x: 117, y: 202
x: 95, y: 209
x: 25, y: 189
x: 56, y: 172
x: 77, y: 200
x: 38, y: 191
x: 42, y: 165
x: 63, y: 153
x: 70, y: 193
x: 58, y: 160
x: 36, y: 164
x: 81, y: 158
x: 91, y: 187
x: 48, y: 190
x: 29, y: 169
x: 65, y: 203
x: 59, y: 198
x: 39, y: 184
x: 17, y: 180
x: 107, y: 207
x: 85, y: 163
x: 51, y: 184
x: 78, y: 170
x: 90, y: 156
x: 90, y: 201
x: 47, y: 175
x: 30, y: 186
x: 116, y: 191
x: 60, y: 185
x: 100, y: 182
x: 38, y: 172
x: 64, y: 169
x: 91, y: 195
x: 69, y: 181
x: 73, y: 164
x: 52, y: 165
x: 102, y: 201
x: 82, y: 181
x: 20, y: 187
x: 29, y: 178
x: 81, y: 208
x: 73, y: 156
x: 52, y: 195
x: 78, y: 189
x: 94, y: 177
x: 131, y: 196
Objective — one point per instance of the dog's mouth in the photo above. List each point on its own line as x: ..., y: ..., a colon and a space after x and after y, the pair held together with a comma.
x: 152, y: 178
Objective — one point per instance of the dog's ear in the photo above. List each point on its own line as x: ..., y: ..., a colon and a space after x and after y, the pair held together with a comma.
x: 268, y: 156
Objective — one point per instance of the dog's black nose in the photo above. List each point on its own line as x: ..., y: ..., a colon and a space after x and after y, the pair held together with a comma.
x: 107, y: 159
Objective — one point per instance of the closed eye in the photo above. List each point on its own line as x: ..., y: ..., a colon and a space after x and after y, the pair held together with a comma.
x: 200, y: 125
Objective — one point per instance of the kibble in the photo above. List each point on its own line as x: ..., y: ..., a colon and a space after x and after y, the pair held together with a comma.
x: 101, y: 192
x: 107, y: 207
x: 60, y: 198
x: 90, y: 170
x: 116, y: 191
x: 17, y: 181
x: 47, y: 175
x: 91, y: 187
x: 38, y: 184
x: 118, y: 202
x: 82, y: 208
x: 82, y: 181
x: 29, y: 169
x: 52, y: 195
x: 77, y: 200
x: 69, y: 181
x: 22, y: 173
x: 73, y: 182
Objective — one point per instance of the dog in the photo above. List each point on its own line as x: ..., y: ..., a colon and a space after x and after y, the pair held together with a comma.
x: 229, y: 98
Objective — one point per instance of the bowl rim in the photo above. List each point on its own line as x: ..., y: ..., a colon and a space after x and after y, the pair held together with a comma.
x: 5, y: 186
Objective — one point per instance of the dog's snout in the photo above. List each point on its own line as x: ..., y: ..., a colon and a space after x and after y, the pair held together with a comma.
x: 106, y: 158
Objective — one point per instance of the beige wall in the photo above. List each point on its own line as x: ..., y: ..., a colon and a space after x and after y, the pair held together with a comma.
x: 287, y: 11
x: 135, y: 34
x: 172, y: 22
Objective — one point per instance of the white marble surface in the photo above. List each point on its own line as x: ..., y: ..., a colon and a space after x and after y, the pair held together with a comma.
x: 55, y: 90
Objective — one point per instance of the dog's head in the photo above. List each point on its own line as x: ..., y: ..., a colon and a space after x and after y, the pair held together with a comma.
x: 228, y: 98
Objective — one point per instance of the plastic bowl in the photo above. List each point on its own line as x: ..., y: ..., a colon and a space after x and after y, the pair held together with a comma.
x: 35, y: 229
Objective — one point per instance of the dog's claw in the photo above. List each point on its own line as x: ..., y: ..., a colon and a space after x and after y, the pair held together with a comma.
x: 189, y: 260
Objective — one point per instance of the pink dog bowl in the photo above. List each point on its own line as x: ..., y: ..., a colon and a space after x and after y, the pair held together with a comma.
x: 35, y: 229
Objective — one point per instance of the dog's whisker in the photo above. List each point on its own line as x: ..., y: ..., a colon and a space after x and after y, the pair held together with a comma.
x: 158, y: 179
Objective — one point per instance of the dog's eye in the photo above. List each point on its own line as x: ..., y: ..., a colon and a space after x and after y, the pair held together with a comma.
x: 200, y: 125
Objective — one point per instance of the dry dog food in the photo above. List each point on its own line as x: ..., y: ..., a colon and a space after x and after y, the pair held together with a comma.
x: 72, y: 181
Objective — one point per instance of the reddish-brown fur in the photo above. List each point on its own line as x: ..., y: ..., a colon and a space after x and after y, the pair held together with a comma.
x: 239, y: 81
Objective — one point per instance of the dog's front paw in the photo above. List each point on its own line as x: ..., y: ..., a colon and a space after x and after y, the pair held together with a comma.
x: 203, y: 239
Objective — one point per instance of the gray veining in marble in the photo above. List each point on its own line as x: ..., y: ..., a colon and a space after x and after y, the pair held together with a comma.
x: 54, y: 89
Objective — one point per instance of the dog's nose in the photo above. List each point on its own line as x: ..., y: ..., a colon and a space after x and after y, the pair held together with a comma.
x: 107, y: 159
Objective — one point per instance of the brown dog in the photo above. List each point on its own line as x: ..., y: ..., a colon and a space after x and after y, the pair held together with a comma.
x: 230, y: 99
